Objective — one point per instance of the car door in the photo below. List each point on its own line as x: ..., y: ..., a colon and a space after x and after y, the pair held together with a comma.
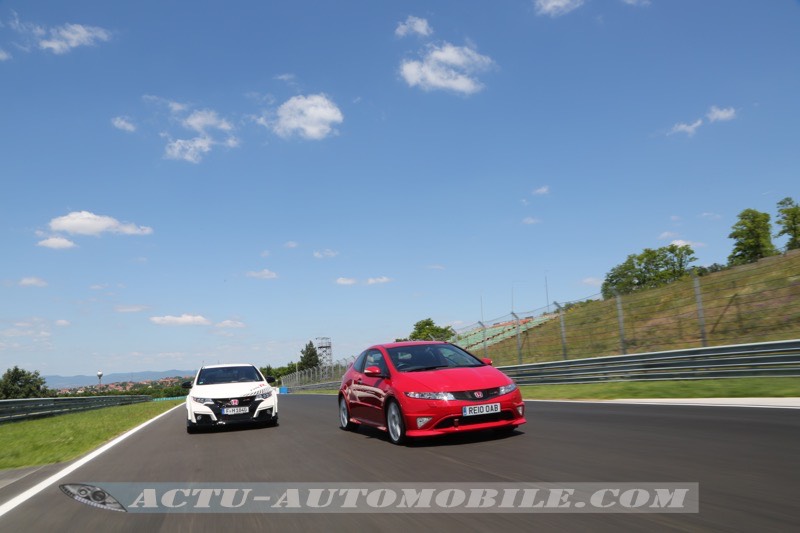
x: 373, y: 388
x: 354, y: 390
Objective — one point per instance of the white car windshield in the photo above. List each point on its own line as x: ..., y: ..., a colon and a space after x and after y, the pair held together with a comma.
x: 228, y: 374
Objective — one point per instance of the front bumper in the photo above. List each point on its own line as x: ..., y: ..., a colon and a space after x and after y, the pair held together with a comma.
x: 211, y: 414
x: 447, y: 416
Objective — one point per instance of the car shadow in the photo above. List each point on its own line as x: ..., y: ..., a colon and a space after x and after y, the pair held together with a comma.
x: 452, y: 439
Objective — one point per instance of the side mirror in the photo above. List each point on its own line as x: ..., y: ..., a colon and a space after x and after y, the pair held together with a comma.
x: 487, y: 361
x: 373, y: 372
x: 270, y: 379
x: 186, y: 384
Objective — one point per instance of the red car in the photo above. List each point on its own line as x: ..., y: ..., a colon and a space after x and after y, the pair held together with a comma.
x: 422, y: 389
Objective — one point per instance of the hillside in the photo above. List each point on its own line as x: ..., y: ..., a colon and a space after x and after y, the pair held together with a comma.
x: 751, y: 303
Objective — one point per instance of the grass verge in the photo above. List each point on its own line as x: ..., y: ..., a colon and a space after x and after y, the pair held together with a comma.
x: 707, y: 388
x: 63, y: 438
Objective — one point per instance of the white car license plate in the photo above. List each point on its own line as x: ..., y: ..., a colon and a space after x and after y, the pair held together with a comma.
x: 484, y: 409
x: 235, y: 410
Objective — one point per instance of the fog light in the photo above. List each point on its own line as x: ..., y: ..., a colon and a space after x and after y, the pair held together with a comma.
x: 422, y: 420
x: 521, y: 409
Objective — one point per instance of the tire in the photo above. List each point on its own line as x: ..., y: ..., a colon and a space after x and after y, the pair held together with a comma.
x: 395, y: 425
x: 344, y: 416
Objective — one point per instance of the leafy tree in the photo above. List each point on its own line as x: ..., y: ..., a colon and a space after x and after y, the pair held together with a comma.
x: 752, y: 235
x: 649, y: 269
x: 426, y: 330
x: 789, y: 221
x: 17, y: 383
x: 309, y: 358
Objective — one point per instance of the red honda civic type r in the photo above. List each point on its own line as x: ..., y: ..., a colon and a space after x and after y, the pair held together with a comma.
x: 422, y: 389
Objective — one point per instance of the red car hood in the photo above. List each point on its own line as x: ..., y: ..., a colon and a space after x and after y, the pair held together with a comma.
x: 454, y: 379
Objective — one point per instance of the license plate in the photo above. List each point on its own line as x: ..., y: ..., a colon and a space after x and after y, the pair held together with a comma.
x: 484, y: 409
x: 235, y: 410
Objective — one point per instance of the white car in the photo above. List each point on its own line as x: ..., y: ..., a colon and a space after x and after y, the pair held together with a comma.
x: 230, y: 394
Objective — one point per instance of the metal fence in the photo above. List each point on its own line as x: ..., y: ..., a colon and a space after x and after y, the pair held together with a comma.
x: 751, y: 360
x: 759, y: 302
x: 316, y: 375
x: 11, y: 410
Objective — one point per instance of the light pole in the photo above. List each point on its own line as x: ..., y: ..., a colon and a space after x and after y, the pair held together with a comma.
x: 99, y: 378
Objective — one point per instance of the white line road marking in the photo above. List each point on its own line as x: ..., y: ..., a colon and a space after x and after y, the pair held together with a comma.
x: 17, y: 500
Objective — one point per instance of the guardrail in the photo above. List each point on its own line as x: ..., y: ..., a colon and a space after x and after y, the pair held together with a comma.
x: 12, y: 410
x: 326, y: 385
x: 780, y: 358
x: 768, y: 359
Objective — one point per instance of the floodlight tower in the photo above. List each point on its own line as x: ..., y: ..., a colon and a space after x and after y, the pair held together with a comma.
x: 99, y: 378
x: 325, y: 352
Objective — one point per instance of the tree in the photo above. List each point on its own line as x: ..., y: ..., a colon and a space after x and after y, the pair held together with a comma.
x: 752, y: 235
x: 649, y: 269
x: 17, y: 383
x: 309, y: 358
x: 789, y: 221
x: 426, y: 330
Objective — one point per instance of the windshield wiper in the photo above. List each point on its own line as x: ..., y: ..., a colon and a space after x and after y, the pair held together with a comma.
x: 427, y: 368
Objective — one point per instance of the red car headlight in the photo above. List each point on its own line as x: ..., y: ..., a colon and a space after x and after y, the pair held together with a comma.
x: 431, y: 395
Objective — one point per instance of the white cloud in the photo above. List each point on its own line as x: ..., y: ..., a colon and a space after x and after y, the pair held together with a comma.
x: 62, y: 323
x: 183, y: 320
x: 542, y: 191
x: 4, y: 56
x: 288, y: 78
x: 447, y: 67
x: 123, y: 123
x: 130, y: 308
x: 86, y: 223
x: 378, y: 280
x: 56, y: 243
x: 205, y: 119
x: 636, y: 2
x: 291, y: 244
x: 173, y: 106
x: 346, y: 281
x: 64, y: 38
x: 311, y: 117
x: 715, y: 114
x: 435, y: 267
x: 530, y: 220
x: 688, y: 129
x: 675, y: 218
x: 668, y: 235
x: 32, y: 282
x: 413, y: 25
x: 556, y: 8
x: 325, y: 254
x: 681, y: 242
x: 262, y: 274
x: 594, y: 282
x: 710, y: 216
x: 234, y: 324
x: 191, y: 150
x: 265, y: 253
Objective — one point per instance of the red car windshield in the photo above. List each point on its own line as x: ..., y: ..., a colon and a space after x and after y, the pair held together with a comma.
x: 431, y: 357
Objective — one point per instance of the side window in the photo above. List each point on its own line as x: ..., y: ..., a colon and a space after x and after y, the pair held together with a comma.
x: 359, y: 364
x: 375, y: 358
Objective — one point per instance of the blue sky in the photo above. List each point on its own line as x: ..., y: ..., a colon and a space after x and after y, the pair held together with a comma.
x: 190, y: 182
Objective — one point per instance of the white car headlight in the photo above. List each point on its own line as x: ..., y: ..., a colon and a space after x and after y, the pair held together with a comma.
x: 431, y: 395
x: 263, y: 396
x: 505, y: 389
x: 202, y: 400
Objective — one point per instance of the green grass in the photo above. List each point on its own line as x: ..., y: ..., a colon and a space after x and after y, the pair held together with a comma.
x: 66, y: 437
x: 711, y: 388
x: 758, y: 302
